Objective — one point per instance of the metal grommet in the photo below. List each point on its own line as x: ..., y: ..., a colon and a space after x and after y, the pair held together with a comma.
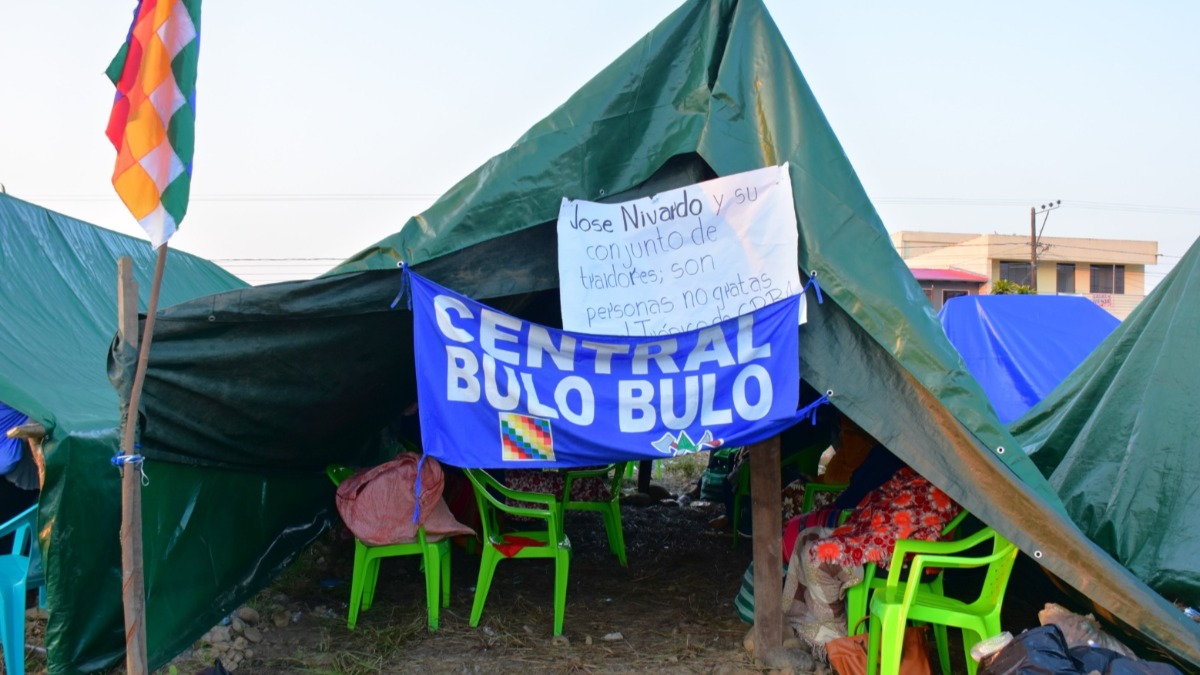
x: 1037, y: 554
x: 211, y: 318
x: 602, y: 193
x: 1000, y: 450
x: 829, y: 392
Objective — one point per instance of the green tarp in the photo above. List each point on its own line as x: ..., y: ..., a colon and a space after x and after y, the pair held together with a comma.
x: 1118, y: 438
x: 59, y: 294
x: 276, y: 381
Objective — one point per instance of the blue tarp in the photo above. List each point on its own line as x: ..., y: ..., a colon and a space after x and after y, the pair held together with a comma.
x: 1020, y: 347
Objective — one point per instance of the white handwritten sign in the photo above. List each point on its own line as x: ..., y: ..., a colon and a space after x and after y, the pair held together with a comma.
x: 679, y: 260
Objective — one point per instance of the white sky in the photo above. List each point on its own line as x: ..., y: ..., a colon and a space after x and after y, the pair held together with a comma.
x: 322, y: 127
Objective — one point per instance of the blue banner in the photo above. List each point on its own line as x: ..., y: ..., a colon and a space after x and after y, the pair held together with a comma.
x: 10, y: 448
x: 497, y: 391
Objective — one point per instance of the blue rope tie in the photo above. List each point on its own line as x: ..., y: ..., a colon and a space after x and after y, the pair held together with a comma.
x: 417, y: 491
x: 812, y: 281
x: 810, y: 410
x: 121, y: 461
x: 403, y: 286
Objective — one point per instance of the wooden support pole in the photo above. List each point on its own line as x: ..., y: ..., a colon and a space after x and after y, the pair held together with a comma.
x: 33, y: 433
x: 766, y: 506
x: 645, y: 467
x: 133, y: 584
x: 29, y: 430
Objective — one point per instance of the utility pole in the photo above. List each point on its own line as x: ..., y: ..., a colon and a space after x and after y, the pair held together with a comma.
x: 1033, y: 249
x: 1035, y: 237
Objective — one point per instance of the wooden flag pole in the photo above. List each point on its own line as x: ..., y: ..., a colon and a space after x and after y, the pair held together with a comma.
x: 133, y: 584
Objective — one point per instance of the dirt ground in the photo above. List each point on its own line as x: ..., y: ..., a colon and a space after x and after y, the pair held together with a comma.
x: 670, y: 611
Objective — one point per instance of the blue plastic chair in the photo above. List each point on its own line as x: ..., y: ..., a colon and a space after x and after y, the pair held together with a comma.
x: 19, y: 567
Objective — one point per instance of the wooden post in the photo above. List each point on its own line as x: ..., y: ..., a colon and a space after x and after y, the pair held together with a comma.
x: 766, y: 506
x: 133, y: 584
x: 29, y: 431
x: 33, y: 433
x: 645, y: 467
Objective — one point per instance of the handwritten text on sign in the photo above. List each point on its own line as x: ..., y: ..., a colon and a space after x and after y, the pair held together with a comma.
x: 679, y: 260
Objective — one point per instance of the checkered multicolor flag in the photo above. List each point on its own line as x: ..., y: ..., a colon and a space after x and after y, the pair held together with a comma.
x: 153, y: 117
x: 525, y: 438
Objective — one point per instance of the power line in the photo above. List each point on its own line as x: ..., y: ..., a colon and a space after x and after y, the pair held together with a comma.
x: 1138, y: 208
x: 274, y: 259
x: 1091, y: 205
x: 1022, y: 243
x: 250, y: 197
x: 395, y: 196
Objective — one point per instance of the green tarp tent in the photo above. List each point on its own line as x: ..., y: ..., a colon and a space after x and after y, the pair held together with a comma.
x: 59, y: 294
x: 1117, y: 438
x: 254, y: 391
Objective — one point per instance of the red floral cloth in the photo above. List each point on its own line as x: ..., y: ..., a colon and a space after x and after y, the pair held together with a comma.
x: 589, y: 489
x: 905, y: 507
x: 826, y: 516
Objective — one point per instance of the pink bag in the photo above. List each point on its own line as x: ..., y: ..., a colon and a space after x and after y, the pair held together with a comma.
x: 377, y: 503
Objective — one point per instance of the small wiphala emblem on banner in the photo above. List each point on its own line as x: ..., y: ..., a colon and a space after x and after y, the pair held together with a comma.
x: 525, y: 438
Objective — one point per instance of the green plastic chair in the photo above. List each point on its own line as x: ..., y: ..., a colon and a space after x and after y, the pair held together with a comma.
x: 657, y: 470
x: 857, y: 596
x: 610, y: 510
x: 16, y: 571
x: 902, y: 601
x: 548, y: 543
x: 812, y: 489
x: 807, y: 460
x: 435, y: 561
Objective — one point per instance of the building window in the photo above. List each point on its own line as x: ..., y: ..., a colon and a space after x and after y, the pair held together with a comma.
x: 946, y: 295
x: 1016, y: 272
x: 1066, y: 278
x: 1108, y: 279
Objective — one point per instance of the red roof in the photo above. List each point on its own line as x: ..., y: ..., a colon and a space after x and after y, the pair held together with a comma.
x: 925, y: 274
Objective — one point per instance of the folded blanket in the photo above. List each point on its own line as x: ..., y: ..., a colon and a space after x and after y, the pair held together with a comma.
x: 378, y: 503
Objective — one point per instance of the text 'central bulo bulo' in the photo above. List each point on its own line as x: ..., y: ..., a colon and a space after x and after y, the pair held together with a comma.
x: 663, y: 386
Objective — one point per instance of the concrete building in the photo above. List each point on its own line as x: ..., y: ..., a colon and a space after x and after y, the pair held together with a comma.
x: 942, y: 284
x: 1110, y: 272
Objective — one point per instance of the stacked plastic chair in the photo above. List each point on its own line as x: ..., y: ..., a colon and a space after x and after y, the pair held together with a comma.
x: 899, y: 602
x: 610, y: 509
x: 20, y: 568
x: 858, y: 596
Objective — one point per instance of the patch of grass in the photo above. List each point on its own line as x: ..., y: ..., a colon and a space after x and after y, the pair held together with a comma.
x: 686, y: 468
x: 358, y: 663
x: 386, y: 639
